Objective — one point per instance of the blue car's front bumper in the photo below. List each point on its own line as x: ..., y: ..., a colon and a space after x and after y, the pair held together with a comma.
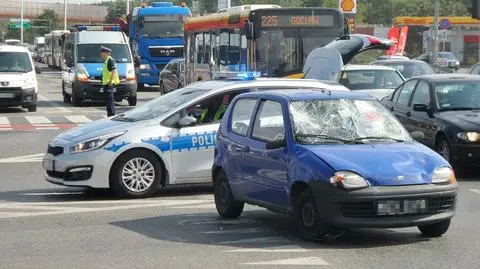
x: 359, y: 208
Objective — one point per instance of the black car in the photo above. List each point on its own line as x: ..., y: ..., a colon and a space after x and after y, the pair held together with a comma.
x: 442, y: 111
x: 408, y: 68
x: 172, y: 77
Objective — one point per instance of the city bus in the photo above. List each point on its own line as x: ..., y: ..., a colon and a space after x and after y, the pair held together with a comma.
x: 268, y: 39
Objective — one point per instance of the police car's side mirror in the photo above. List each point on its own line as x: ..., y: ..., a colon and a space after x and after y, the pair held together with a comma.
x: 187, y: 121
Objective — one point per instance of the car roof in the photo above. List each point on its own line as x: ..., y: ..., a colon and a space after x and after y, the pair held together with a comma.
x: 439, y: 78
x: 357, y: 67
x: 13, y: 48
x: 220, y: 85
x: 309, y: 94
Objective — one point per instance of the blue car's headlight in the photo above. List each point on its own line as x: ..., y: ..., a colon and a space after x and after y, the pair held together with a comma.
x: 443, y: 175
x: 94, y: 143
x: 348, y: 180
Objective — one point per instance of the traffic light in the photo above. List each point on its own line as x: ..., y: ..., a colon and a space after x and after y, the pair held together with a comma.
x: 475, y: 8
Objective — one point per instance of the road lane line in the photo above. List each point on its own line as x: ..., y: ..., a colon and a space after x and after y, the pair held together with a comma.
x: 267, y: 239
x: 78, y: 119
x: 52, y: 104
x: 106, y: 202
x: 294, y: 261
x: 38, y: 120
x: 6, y: 128
x: 477, y: 191
x: 4, y: 121
x: 268, y: 250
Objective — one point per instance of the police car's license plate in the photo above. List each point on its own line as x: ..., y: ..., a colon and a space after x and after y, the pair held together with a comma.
x: 6, y: 95
x: 398, y: 207
x: 49, y: 165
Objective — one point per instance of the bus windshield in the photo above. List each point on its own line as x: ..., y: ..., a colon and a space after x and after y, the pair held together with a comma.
x: 283, y: 51
x: 156, y: 29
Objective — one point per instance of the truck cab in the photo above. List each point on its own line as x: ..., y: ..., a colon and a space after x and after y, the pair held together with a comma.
x: 82, y: 64
x: 156, y: 36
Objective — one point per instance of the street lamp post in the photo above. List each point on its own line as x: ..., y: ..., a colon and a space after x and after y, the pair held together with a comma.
x: 21, y: 23
x: 64, y: 15
x: 435, y: 32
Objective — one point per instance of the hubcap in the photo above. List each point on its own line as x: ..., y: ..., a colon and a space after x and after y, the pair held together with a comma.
x: 444, y: 151
x: 308, y: 215
x: 138, y: 174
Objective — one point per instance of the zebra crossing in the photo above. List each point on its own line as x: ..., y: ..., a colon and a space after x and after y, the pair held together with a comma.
x: 38, y: 123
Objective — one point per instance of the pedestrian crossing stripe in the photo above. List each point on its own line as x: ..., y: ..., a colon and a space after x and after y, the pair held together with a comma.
x: 55, y: 122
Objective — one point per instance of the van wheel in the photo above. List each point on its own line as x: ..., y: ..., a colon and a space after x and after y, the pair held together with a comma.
x: 132, y: 100
x: 225, y: 203
x: 135, y: 174
x: 66, y: 97
x: 32, y: 108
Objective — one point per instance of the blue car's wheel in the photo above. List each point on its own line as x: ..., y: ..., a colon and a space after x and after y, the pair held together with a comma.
x: 225, y: 203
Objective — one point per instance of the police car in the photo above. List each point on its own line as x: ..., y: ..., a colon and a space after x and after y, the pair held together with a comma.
x: 169, y: 140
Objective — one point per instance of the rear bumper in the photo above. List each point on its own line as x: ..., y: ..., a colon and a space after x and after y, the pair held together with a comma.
x: 359, y: 208
x: 20, y: 97
x: 92, y: 91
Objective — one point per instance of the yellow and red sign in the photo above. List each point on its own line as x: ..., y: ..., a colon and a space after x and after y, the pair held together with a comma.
x: 430, y: 20
x: 399, y: 35
x: 347, y: 6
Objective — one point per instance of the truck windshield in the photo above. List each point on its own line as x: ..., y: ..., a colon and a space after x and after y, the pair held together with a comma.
x: 155, y: 29
x: 90, y: 53
x: 15, y: 62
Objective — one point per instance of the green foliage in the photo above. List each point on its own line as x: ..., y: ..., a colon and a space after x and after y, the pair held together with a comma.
x: 40, y: 27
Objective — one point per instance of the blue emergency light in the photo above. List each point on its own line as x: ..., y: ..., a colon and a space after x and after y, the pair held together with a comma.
x: 98, y: 28
x: 236, y: 75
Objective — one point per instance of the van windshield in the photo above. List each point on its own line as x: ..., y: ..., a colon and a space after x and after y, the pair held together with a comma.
x: 15, y: 62
x: 90, y: 53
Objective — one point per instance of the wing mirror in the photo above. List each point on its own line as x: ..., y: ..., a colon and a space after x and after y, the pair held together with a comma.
x: 275, y: 144
x: 187, y: 121
x: 423, y: 108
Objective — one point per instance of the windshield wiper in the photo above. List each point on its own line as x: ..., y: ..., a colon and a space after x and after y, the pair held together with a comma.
x: 378, y: 138
x: 326, y: 137
x: 123, y: 118
x: 459, y: 108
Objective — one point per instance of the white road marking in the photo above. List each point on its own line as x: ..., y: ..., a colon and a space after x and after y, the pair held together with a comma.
x: 268, y: 250
x: 4, y: 121
x: 78, y: 119
x: 52, y: 104
x: 106, y: 202
x: 38, y: 120
x: 24, y: 159
x: 50, y: 193
x: 268, y: 239
x: 236, y: 231
x: 296, y: 261
x: 6, y: 128
x: 202, y: 206
x: 47, y: 128
x: 477, y: 191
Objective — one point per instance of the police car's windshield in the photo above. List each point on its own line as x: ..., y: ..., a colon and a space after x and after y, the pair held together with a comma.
x: 344, y: 121
x: 162, y: 104
x: 89, y: 53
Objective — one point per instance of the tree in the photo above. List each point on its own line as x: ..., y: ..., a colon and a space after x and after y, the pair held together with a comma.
x: 46, y: 22
x: 117, y: 9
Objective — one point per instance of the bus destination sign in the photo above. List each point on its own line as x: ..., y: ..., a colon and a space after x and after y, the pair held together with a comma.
x: 297, y: 20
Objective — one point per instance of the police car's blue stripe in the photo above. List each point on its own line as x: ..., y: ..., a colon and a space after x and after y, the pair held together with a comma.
x: 115, y: 148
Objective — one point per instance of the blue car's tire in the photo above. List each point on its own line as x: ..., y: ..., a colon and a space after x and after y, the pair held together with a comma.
x: 225, y: 203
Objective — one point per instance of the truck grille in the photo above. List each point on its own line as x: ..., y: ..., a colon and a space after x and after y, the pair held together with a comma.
x: 367, y: 209
x: 166, y: 51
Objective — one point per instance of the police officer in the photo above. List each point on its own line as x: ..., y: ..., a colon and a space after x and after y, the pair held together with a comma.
x: 110, y: 79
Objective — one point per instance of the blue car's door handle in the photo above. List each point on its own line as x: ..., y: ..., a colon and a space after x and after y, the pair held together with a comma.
x: 240, y: 148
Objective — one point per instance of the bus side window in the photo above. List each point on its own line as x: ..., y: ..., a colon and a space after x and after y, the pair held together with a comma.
x: 199, y: 48
x: 215, y: 50
x: 206, y: 57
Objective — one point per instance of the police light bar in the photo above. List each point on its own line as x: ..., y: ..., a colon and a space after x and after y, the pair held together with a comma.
x: 98, y: 28
x: 236, y: 75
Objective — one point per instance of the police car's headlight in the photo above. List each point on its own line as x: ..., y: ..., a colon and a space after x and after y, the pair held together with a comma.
x: 348, y: 180
x: 94, y: 143
x: 145, y: 67
x: 443, y: 175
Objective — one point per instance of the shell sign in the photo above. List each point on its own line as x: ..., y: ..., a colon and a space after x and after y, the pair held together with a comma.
x: 347, y: 6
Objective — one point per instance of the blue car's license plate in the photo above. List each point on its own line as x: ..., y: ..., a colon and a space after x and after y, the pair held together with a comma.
x: 400, y: 207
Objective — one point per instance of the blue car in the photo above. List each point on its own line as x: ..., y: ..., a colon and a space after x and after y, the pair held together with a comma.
x: 333, y: 160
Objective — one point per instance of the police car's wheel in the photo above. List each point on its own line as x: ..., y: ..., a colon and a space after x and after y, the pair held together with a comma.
x: 135, y: 174
x: 435, y: 229
x: 225, y: 203
x: 309, y: 223
x: 77, y: 101
x: 132, y: 101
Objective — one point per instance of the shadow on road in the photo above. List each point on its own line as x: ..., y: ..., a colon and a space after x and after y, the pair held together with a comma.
x: 254, y: 229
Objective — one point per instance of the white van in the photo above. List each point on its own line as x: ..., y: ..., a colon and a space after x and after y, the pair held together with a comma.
x: 18, y: 80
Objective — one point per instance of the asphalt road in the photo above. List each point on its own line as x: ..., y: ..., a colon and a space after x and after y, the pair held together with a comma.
x: 46, y: 226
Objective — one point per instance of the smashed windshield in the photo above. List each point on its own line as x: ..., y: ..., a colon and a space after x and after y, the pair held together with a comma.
x: 371, y: 79
x: 458, y: 95
x: 345, y: 121
x: 161, y: 105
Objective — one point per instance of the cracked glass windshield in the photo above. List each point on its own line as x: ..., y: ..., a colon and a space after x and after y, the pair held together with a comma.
x: 344, y: 121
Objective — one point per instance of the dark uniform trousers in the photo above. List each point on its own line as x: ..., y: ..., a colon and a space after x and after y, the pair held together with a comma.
x: 109, y: 100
